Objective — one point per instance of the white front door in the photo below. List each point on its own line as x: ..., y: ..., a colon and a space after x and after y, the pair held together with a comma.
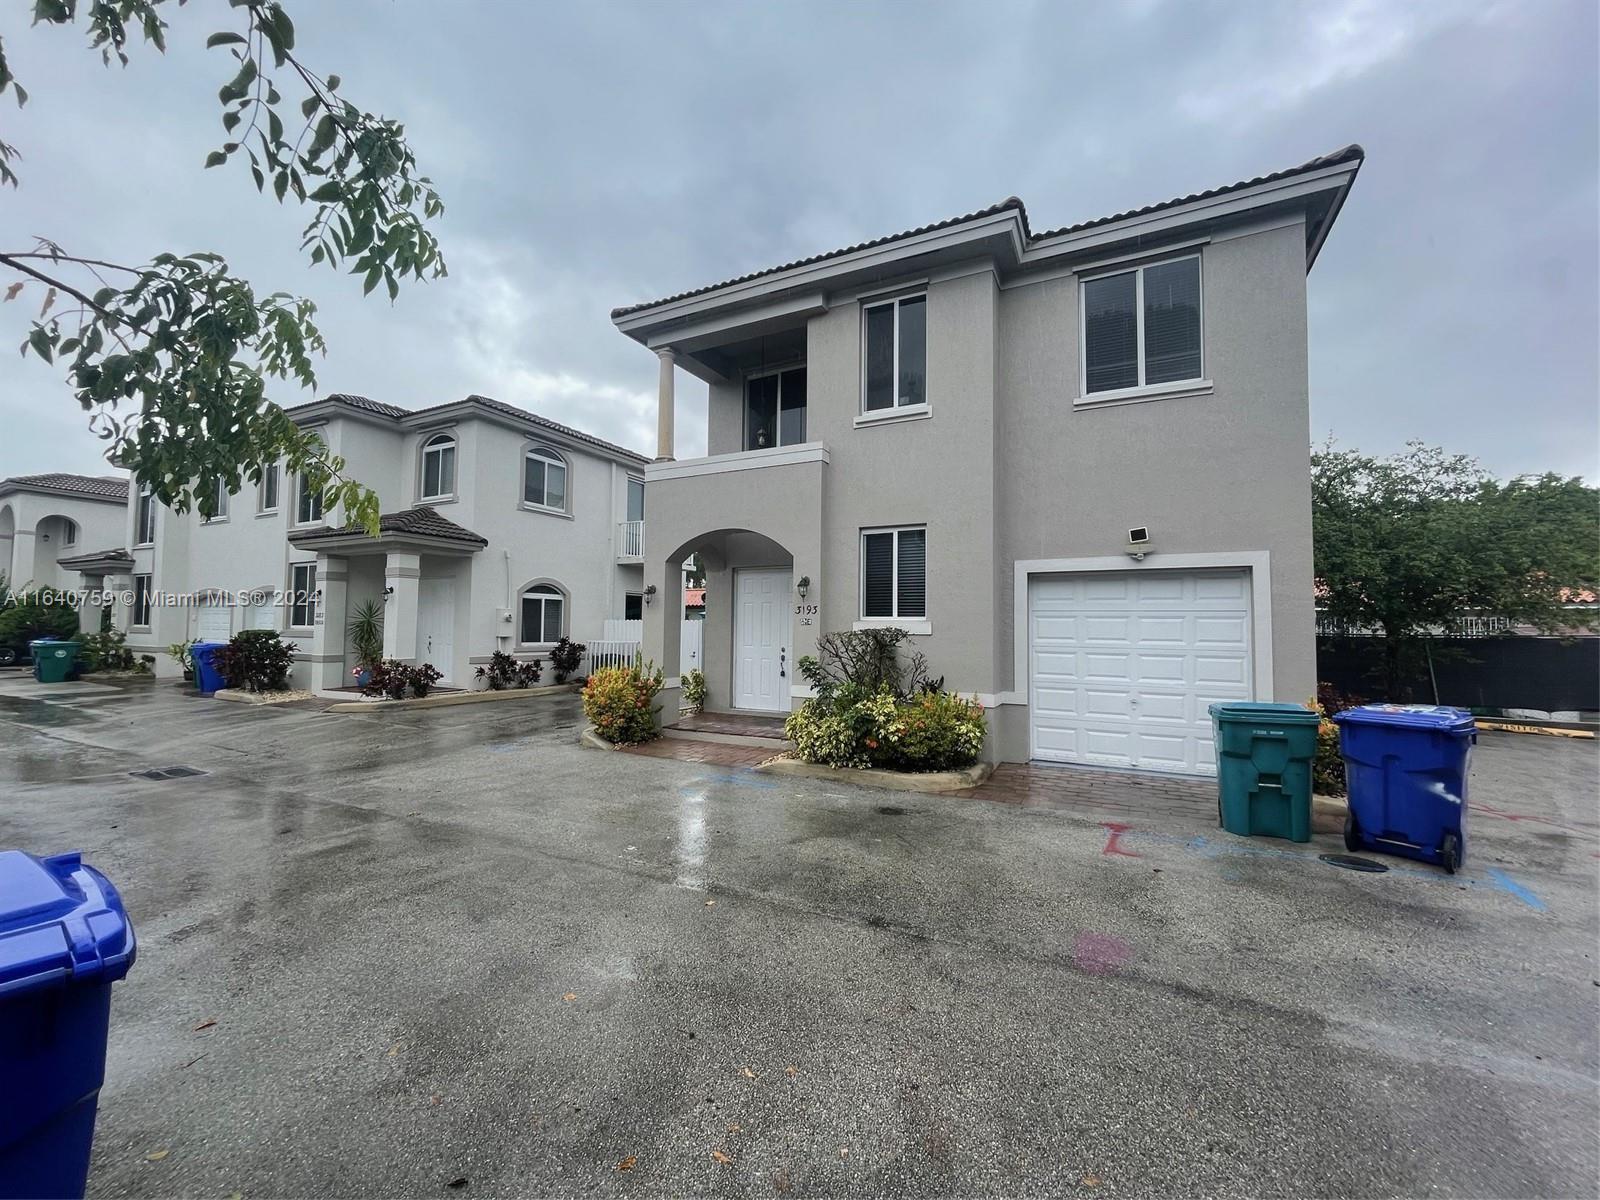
x: 761, y: 662
x: 436, y: 623
x: 1123, y: 666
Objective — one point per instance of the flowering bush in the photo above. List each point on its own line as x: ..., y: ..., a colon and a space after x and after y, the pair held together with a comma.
x: 857, y: 727
x: 1327, y: 769
x: 620, y: 702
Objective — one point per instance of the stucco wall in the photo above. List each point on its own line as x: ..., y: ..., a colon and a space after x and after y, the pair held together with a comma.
x: 32, y: 536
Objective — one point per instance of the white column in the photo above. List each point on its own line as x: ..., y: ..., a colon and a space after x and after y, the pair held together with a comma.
x: 664, y: 409
x: 24, y: 550
x: 401, y: 575
x: 327, y: 636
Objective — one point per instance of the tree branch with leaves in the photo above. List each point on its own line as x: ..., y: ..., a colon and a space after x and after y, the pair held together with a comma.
x: 171, y: 357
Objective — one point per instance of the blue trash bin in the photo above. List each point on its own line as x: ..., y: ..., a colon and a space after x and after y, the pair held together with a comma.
x: 206, y: 677
x: 1406, y: 772
x: 64, y: 939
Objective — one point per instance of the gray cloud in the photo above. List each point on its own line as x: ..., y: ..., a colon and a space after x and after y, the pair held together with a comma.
x: 603, y: 154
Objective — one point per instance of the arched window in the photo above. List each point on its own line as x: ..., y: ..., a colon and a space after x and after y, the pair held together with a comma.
x: 69, y: 532
x: 544, y: 611
x: 439, y: 467
x: 544, y: 479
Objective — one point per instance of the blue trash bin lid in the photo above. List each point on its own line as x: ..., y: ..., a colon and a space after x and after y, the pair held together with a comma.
x: 60, y: 921
x: 1437, y: 718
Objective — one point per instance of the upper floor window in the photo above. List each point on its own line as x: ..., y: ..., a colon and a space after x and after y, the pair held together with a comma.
x: 308, y: 502
x: 69, y: 532
x: 219, y: 499
x: 439, y: 467
x: 895, y: 370
x: 775, y: 409
x: 267, y: 500
x: 894, y: 572
x: 542, y: 609
x: 544, y: 479
x: 635, y: 499
x: 1141, y: 328
x: 144, y: 533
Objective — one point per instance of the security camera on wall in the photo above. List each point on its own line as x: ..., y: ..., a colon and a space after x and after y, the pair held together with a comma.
x: 1138, y: 543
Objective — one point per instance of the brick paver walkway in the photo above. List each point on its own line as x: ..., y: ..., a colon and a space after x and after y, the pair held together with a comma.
x: 736, y: 723
x: 716, y: 753
x: 1035, y: 786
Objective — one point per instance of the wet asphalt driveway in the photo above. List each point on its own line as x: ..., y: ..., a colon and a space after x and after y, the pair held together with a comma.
x: 451, y: 953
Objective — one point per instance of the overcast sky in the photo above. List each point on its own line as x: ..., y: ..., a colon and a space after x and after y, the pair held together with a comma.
x: 592, y: 155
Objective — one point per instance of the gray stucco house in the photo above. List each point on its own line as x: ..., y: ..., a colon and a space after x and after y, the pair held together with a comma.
x: 1072, y: 463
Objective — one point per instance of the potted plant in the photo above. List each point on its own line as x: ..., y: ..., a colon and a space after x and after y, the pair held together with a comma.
x: 365, y: 631
x: 183, y: 653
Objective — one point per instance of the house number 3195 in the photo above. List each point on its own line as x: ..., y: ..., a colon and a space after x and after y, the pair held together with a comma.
x: 807, y: 613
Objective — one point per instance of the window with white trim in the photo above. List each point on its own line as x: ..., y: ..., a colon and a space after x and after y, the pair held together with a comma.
x: 544, y: 479
x: 303, y: 595
x: 267, y: 499
x: 145, y: 519
x: 69, y: 532
x: 894, y: 368
x: 543, y: 608
x: 439, y: 467
x: 308, y: 502
x: 141, y: 601
x: 635, y: 498
x: 894, y: 573
x: 220, y: 497
x: 775, y: 409
x: 1142, y: 328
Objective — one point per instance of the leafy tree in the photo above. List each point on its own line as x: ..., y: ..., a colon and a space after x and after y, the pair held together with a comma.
x: 1410, y: 544
x: 171, y: 357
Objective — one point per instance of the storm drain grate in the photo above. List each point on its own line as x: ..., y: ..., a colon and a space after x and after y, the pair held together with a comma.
x: 891, y: 810
x: 160, y: 773
x: 1351, y: 863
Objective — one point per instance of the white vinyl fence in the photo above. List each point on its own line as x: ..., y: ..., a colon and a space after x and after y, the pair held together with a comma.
x: 623, y: 640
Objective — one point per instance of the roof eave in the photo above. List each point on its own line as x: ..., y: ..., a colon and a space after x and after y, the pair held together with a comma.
x: 389, y: 540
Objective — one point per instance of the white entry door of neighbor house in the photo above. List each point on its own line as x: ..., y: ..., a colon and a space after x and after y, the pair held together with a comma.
x: 1123, y: 666
x: 436, y: 623
x: 213, y: 622
x: 761, y: 661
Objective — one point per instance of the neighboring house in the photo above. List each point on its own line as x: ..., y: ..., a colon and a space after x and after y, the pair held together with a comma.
x: 62, y: 531
x: 501, y: 531
x: 1073, y: 465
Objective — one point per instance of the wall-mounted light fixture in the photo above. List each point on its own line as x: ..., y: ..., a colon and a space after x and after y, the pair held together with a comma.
x: 649, y: 592
x: 803, y: 586
x: 387, y: 592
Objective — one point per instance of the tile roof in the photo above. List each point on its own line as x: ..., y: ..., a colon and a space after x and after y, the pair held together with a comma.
x: 115, y: 555
x: 1350, y: 153
x: 99, y: 487
x: 421, y: 521
x: 395, y: 412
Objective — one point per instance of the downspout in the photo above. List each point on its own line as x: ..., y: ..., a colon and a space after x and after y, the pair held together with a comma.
x: 507, y: 554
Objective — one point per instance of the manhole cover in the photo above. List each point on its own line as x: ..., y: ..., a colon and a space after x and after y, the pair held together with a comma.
x: 1351, y: 863
x: 891, y: 810
x: 160, y: 773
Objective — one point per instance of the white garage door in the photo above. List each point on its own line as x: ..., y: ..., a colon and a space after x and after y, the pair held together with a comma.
x: 1124, y: 665
x: 214, y: 623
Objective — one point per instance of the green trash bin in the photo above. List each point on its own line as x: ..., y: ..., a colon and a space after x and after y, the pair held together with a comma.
x: 1264, y: 758
x: 53, y: 661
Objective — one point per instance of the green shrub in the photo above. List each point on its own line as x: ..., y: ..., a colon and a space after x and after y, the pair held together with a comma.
x: 106, y: 651
x: 620, y: 702
x: 256, y: 660
x: 858, y: 727
x: 1327, y: 769
x: 694, y: 690
x: 565, y: 657
x: 37, y: 614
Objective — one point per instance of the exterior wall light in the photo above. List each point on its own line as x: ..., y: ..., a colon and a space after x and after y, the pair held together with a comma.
x: 803, y: 586
x: 649, y: 592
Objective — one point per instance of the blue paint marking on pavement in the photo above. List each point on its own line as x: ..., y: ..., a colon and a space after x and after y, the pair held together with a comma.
x: 746, y: 779
x: 1497, y: 881
x: 1500, y: 879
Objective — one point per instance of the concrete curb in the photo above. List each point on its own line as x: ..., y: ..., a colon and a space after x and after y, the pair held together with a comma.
x: 1327, y: 814
x: 242, y: 697
x: 449, y: 699
x: 594, y: 741
x: 900, y: 781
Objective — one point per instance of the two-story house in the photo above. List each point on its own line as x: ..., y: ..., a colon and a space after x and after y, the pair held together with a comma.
x: 60, y: 530
x: 1073, y: 464
x: 501, y: 531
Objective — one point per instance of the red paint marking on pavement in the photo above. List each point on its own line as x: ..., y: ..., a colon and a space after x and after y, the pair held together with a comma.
x: 1114, y: 842
x: 1507, y: 816
x: 1098, y: 953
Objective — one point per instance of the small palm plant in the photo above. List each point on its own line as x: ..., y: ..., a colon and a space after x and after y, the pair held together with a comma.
x: 365, y: 631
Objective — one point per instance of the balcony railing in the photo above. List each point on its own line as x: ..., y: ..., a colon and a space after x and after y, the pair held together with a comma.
x: 630, y: 541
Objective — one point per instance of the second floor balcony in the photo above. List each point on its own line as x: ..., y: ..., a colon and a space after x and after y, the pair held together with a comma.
x: 630, y: 541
